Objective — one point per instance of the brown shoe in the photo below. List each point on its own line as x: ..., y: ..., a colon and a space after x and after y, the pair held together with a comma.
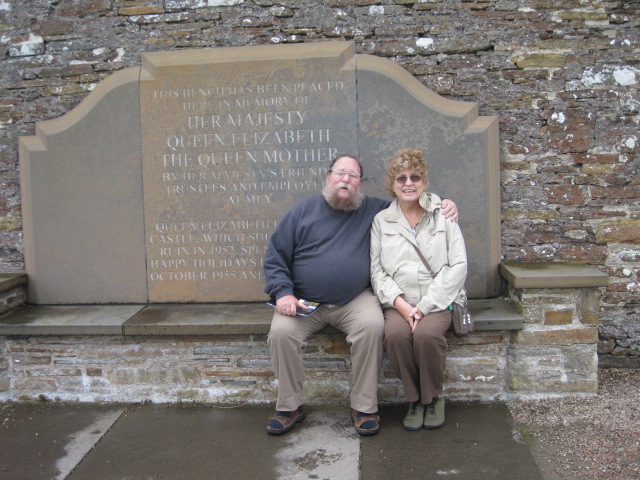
x: 365, y: 423
x: 283, y: 421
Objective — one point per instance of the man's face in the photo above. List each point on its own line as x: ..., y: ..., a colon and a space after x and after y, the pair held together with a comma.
x: 342, y: 192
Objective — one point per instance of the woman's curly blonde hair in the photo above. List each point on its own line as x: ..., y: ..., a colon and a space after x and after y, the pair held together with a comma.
x: 405, y: 159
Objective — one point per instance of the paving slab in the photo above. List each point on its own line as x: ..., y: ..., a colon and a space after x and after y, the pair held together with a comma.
x: 477, y: 442
x: 48, y: 440
x: 203, y: 442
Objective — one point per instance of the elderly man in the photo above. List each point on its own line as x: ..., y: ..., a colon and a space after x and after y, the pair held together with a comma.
x: 320, y: 252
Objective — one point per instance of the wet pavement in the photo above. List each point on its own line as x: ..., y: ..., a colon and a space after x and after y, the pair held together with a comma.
x: 192, y: 442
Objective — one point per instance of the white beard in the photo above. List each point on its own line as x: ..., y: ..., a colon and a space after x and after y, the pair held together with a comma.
x: 352, y: 202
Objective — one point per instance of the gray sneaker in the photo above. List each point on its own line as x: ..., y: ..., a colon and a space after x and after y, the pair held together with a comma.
x: 434, y: 416
x: 415, y: 416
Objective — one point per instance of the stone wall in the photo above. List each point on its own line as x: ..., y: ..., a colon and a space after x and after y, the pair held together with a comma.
x: 223, y: 369
x: 12, y: 297
x: 563, y: 81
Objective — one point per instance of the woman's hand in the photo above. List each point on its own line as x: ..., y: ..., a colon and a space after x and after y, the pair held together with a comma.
x: 411, y: 314
x: 417, y: 315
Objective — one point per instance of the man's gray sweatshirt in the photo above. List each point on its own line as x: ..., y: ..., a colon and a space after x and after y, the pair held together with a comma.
x: 321, y: 254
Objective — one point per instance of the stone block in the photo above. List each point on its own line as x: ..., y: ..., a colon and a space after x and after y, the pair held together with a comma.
x: 394, y: 107
x: 619, y: 231
x: 540, y: 60
x: 563, y: 336
x: 36, y: 385
x: 569, y: 195
x: 238, y: 349
x: 588, y: 306
x: 127, y: 376
x: 104, y: 223
x: 177, y: 375
x: 324, y: 363
x: 327, y: 391
x: 141, y: 10
x: 558, y: 317
x: 585, y: 16
x: 337, y: 345
x: 53, y: 372
x: 547, y: 275
x: 31, y: 360
x: 258, y: 363
x: 544, y: 371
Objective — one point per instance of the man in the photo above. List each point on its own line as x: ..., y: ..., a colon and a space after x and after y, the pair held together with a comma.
x: 320, y: 252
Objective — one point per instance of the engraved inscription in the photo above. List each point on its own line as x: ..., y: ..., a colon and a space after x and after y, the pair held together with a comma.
x: 226, y: 161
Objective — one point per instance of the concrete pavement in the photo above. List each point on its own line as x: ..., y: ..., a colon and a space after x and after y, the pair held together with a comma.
x: 193, y: 442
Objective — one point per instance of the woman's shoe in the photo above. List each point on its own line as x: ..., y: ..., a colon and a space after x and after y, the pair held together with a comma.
x: 415, y: 417
x: 434, y: 416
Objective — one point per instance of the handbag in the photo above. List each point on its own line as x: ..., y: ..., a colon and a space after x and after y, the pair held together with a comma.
x: 462, y: 319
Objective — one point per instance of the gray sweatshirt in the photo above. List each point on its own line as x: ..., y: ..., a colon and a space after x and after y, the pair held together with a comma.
x: 321, y: 254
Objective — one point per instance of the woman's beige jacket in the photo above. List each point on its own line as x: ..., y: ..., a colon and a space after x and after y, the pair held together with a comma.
x: 396, y: 268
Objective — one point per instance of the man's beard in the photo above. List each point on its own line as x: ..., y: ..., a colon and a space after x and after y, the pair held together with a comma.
x: 352, y: 202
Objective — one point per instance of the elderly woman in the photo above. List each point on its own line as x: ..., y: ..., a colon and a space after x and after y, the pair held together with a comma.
x: 416, y: 302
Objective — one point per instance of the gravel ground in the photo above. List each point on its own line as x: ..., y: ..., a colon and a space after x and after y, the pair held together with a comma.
x: 596, y: 437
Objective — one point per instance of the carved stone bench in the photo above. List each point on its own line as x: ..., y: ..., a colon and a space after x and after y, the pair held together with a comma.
x: 539, y: 342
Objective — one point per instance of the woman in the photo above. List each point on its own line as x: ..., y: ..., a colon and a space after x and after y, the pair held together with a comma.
x: 416, y: 304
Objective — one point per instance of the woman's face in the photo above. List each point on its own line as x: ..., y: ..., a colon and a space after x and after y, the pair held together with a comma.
x: 408, y: 186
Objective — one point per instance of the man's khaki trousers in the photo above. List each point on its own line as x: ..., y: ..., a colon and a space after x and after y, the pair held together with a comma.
x: 361, y: 319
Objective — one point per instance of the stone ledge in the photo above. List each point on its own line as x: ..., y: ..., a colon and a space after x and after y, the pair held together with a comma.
x: 12, y: 280
x: 191, y: 319
x: 67, y: 319
x: 553, y: 275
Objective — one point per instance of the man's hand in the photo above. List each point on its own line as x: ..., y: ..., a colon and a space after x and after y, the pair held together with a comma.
x: 288, y: 305
x: 450, y: 210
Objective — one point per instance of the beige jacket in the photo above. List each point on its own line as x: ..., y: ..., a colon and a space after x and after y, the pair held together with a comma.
x: 396, y: 268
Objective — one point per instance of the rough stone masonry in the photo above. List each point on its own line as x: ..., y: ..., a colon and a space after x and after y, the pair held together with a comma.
x: 561, y: 76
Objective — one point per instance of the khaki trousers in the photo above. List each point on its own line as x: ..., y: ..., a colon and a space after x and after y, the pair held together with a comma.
x: 418, y: 359
x: 361, y: 319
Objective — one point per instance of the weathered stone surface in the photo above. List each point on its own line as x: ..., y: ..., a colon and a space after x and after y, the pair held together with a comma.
x: 558, y: 317
x: 619, y: 231
x: 217, y: 145
x: 588, y: 307
x: 556, y: 337
x: 600, y: 77
x: 540, y: 60
x: 337, y: 345
x: 224, y: 369
x: 540, y: 371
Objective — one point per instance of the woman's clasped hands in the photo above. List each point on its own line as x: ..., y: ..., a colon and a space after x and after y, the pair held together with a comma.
x: 411, y: 314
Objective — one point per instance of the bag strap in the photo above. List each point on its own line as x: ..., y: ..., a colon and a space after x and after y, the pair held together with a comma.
x: 424, y: 260
x: 433, y: 275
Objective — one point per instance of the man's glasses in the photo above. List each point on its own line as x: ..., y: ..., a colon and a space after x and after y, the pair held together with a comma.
x: 414, y: 177
x: 342, y: 173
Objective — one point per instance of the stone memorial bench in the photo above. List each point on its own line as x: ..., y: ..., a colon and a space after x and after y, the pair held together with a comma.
x: 538, y: 341
x: 133, y: 281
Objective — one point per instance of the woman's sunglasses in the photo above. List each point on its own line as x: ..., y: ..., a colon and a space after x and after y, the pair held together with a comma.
x: 414, y: 177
